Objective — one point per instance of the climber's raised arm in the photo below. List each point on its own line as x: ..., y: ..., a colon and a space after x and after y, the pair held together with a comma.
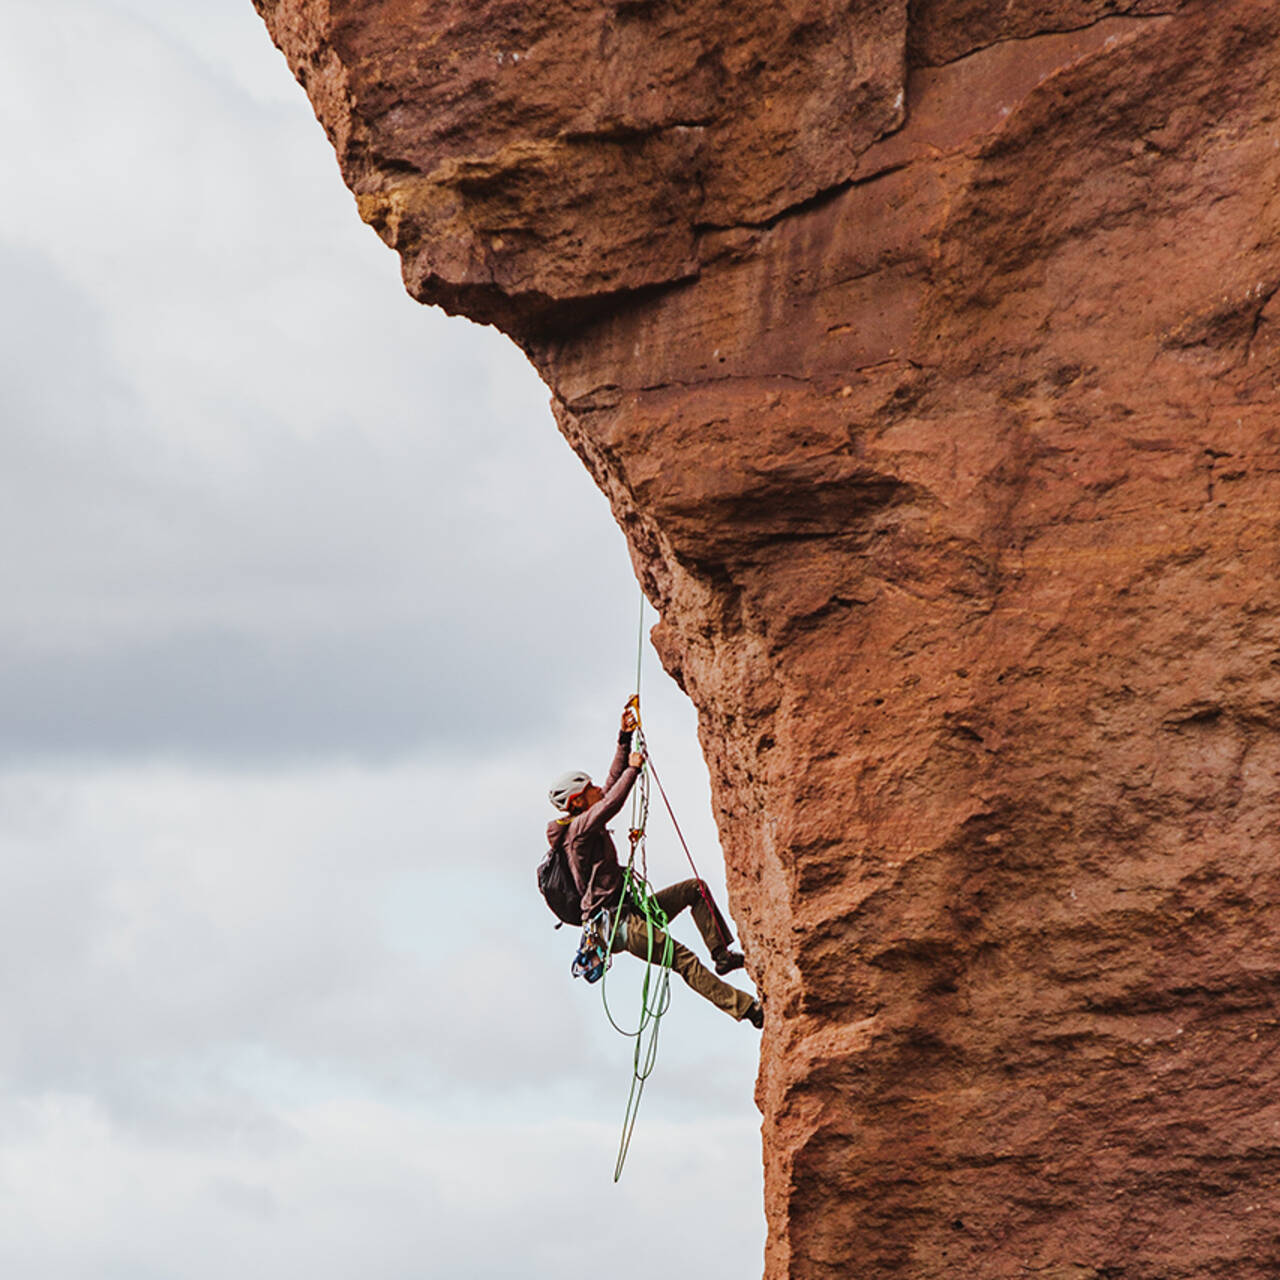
x: 620, y: 756
x: 604, y: 805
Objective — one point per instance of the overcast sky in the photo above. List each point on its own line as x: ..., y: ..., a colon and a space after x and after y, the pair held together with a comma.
x: 281, y: 690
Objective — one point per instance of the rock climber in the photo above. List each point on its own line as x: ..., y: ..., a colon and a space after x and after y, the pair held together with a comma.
x: 593, y: 863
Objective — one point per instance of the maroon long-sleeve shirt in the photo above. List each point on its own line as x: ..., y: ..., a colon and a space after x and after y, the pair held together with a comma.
x: 589, y: 847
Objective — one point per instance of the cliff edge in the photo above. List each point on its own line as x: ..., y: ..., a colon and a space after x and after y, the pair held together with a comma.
x: 927, y: 352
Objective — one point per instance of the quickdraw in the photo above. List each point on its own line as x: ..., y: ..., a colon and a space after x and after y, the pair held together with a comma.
x: 593, y: 956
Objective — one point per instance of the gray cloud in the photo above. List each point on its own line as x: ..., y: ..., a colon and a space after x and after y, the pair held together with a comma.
x: 349, y: 592
x: 236, y: 698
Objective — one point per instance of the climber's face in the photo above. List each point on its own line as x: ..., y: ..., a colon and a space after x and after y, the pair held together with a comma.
x: 587, y: 797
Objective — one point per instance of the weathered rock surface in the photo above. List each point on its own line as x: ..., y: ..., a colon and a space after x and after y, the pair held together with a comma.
x: 928, y: 354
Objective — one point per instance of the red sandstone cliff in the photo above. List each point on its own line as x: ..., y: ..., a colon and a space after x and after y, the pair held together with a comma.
x: 928, y: 354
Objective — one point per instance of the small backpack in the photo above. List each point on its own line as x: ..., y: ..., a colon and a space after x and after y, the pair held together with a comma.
x: 556, y: 884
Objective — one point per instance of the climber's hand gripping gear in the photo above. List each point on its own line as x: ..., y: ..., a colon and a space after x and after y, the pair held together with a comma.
x: 631, y: 714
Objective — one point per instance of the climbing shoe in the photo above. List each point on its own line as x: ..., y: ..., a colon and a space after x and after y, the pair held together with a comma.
x: 755, y: 1015
x: 727, y: 961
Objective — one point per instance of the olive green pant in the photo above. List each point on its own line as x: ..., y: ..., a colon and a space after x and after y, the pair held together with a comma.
x: 644, y: 940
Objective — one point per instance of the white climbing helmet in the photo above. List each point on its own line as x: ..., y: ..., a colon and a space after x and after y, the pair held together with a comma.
x: 568, y: 785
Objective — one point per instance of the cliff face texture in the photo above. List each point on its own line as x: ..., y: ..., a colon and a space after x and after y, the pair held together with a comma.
x: 928, y: 354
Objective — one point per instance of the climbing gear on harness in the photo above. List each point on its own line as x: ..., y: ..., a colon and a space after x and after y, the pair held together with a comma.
x: 567, y: 786
x: 594, y: 956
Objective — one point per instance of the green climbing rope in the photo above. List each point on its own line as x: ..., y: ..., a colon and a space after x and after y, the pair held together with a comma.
x: 655, y: 998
